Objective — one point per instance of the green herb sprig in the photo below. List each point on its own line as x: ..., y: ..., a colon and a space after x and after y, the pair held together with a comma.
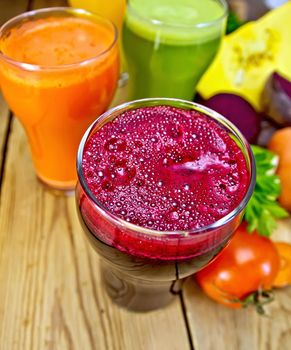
x: 263, y: 208
x: 233, y: 22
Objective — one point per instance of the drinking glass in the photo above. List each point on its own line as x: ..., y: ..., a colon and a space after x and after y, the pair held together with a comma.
x: 169, y: 44
x: 56, y: 102
x: 113, y: 9
x: 142, y: 268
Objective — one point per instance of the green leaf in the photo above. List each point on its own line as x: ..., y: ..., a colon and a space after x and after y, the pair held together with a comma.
x: 267, y: 160
x: 253, y: 225
x: 233, y: 22
x: 277, y: 211
x: 267, y: 223
x: 263, y: 208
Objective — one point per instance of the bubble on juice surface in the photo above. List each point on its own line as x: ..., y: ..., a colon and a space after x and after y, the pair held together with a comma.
x: 172, y: 169
x: 115, y: 144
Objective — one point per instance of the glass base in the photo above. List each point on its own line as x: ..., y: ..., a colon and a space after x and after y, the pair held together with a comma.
x: 136, y: 294
x: 58, y: 187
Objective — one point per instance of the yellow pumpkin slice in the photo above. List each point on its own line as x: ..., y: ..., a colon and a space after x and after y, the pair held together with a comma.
x: 249, y: 55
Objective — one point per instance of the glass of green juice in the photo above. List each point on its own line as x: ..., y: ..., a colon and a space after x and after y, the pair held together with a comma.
x: 169, y: 44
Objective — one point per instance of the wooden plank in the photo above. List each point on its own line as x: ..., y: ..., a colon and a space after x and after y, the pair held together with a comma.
x: 214, y: 326
x: 9, y: 9
x: 50, y: 292
x: 50, y: 286
x: 37, y: 4
x: 4, y: 119
x: 283, y: 231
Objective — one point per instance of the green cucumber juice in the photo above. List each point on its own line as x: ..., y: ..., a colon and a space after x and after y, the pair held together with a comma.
x: 169, y: 44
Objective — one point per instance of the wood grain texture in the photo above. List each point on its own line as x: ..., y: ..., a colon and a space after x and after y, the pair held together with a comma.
x: 37, y: 4
x: 4, y: 119
x: 50, y: 291
x: 50, y: 294
x: 9, y: 9
x: 214, y: 326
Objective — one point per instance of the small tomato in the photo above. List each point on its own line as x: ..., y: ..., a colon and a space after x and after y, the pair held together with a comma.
x: 243, y: 272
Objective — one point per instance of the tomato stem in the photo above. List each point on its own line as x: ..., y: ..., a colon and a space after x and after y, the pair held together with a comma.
x: 258, y: 298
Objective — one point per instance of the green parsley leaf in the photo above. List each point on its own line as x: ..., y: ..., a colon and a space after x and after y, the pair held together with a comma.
x: 233, y: 22
x: 263, y: 208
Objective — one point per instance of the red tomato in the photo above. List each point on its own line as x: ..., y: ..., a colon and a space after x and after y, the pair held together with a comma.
x: 248, y: 264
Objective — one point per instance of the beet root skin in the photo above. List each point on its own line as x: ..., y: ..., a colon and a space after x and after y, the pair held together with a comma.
x: 276, y: 100
x: 239, y: 111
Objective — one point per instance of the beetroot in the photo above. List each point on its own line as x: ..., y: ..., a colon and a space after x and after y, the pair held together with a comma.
x: 276, y: 99
x: 267, y: 130
x: 239, y: 112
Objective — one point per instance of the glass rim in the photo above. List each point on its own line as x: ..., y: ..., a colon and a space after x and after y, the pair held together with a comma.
x: 167, y: 101
x: 60, y: 9
x: 156, y: 22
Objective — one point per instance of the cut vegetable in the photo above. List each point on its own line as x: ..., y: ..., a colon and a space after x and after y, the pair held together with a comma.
x: 249, y: 55
x: 239, y: 112
x: 280, y: 144
x: 276, y: 99
x: 283, y: 278
x: 268, y: 127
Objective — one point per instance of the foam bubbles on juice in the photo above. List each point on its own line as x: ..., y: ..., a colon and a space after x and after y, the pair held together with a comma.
x: 165, y: 168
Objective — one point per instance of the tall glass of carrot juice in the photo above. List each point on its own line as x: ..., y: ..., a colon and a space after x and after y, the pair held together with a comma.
x: 58, y: 70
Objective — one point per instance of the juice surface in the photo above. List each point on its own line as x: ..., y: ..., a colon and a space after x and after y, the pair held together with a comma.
x: 57, y: 41
x: 165, y: 168
x: 178, y: 18
x: 57, y: 102
x: 166, y: 51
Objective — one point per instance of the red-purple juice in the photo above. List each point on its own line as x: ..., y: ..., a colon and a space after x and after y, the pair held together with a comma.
x: 165, y: 169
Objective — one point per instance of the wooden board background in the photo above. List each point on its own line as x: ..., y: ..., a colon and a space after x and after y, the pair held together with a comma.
x: 50, y: 292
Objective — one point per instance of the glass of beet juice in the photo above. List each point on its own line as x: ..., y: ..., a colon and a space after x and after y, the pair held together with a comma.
x: 163, y: 184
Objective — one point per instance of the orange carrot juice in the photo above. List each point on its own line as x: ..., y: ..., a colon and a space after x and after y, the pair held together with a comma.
x: 58, y: 71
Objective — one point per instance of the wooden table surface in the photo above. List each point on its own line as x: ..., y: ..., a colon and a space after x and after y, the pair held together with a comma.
x: 50, y: 292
